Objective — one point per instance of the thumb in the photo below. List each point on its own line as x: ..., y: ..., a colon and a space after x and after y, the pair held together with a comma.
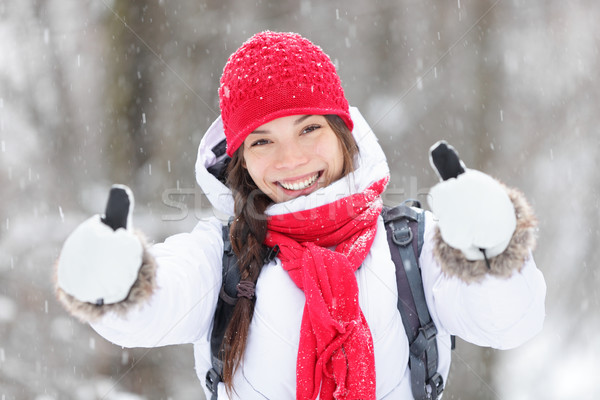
x: 119, y: 208
x: 445, y: 161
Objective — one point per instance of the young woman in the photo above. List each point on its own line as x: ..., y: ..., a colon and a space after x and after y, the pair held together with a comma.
x: 305, y: 172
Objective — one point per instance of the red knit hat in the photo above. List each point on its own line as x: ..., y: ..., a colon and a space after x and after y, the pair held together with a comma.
x: 275, y: 75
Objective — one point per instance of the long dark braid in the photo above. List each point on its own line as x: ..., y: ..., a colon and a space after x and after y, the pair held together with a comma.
x: 247, y: 234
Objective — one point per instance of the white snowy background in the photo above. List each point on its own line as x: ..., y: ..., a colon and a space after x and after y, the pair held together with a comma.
x: 103, y: 91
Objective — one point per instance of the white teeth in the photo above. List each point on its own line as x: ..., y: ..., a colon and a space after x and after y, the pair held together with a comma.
x: 301, y: 184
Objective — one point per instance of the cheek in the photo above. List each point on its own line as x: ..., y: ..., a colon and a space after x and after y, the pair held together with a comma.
x: 256, y: 169
x: 254, y: 173
x: 331, y: 151
x: 336, y: 156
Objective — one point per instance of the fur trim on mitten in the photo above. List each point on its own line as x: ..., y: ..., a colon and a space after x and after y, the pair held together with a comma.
x: 140, y: 292
x: 454, y: 263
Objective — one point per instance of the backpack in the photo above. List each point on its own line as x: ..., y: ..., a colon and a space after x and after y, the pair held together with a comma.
x: 405, y: 227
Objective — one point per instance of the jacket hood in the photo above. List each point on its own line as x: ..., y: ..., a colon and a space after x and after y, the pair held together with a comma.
x: 371, y: 166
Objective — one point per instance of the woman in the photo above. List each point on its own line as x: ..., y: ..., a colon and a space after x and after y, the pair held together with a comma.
x: 305, y: 173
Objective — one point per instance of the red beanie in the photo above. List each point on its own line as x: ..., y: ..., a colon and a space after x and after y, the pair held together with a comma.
x: 275, y: 75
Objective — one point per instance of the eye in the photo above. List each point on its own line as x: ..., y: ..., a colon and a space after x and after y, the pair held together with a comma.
x: 259, y: 142
x: 311, y: 128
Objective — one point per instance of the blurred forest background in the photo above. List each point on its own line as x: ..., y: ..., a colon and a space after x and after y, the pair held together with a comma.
x: 103, y: 91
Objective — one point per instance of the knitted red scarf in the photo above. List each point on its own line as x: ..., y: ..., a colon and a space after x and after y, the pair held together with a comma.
x: 335, y: 357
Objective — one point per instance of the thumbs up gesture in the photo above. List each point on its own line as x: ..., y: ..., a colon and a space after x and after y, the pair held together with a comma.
x: 474, y: 211
x: 100, y: 260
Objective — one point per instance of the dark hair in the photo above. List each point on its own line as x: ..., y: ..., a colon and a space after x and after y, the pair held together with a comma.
x: 247, y: 234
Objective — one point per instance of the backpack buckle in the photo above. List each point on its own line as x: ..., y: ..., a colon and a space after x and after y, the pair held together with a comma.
x: 403, y: 236
x: 429, y: 330
x: 426, y: 336
x: 436, y: 385
x: 212, y: 380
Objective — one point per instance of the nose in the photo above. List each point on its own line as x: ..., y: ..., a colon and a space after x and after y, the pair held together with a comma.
x: 291, y: 156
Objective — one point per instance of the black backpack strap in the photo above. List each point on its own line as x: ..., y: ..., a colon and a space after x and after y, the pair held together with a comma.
x: 405, y: 229
x: 223, y: 313
x: 219, y: 168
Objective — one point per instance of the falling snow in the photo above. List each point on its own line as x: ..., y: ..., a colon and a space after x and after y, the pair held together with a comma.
x: 513, y: 86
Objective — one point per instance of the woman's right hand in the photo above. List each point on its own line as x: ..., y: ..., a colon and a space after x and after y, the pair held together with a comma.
x: 100, y: 260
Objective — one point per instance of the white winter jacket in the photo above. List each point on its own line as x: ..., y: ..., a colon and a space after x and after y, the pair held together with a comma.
x: 497, y: 312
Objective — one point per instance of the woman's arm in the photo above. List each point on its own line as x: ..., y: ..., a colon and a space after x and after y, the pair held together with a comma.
x: 133, y: 294
x: 498, y: 310
x: 480, y: 279
x: 181, y: 309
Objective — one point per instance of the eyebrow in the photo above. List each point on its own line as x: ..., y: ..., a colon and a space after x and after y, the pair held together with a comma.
x: 302, y: 118
x: 296, y: 122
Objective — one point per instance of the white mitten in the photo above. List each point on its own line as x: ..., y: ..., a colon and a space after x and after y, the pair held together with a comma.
x: 474, y: 211
x: 99, y: 261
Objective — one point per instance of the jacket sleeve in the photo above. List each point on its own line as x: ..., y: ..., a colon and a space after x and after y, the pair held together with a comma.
x: 181, y: 309
x: 497, y: 310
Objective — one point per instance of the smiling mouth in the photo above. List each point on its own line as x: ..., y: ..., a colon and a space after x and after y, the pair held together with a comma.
x: 301, y: 184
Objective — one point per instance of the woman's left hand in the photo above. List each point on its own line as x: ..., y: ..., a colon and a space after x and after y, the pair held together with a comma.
x: 474, y: 211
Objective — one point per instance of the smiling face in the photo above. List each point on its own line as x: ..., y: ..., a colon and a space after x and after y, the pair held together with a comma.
x: 293, y: 156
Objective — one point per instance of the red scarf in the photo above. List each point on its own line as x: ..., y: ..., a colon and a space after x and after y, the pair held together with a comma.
x: 335, y: 357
